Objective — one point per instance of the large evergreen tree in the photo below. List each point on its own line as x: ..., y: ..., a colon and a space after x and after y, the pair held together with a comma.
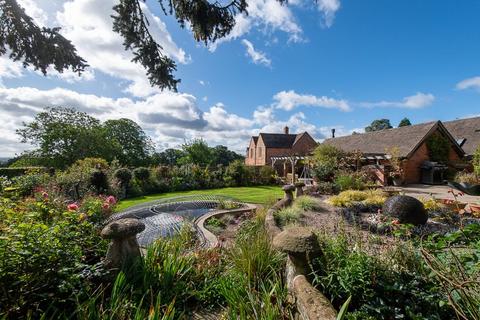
x: 404, y: 122
x: 377, y: 125
x: 43, y: 47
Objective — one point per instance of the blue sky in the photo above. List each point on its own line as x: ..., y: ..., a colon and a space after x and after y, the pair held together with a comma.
x: 335, y: 64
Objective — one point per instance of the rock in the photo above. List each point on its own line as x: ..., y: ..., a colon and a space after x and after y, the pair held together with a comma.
x: 288, y: 189
x: 406, y: 209
x: 124, y: 246
x: 297, y: 241
x: 299, y: 186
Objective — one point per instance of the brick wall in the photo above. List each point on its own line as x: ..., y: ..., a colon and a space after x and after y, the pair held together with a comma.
x: 412, y: 171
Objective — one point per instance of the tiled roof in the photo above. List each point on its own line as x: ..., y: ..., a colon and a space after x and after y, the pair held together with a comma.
x: 468, y: 129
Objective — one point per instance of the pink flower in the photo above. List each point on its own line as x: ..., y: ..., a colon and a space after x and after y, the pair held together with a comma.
x: 396, y: 222
x: 105, y: 206
x: 111, y: 200
x: 44, y: 195
x: 72, y: 207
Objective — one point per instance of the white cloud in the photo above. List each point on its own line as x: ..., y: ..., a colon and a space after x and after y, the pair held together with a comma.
x: 416, y: 101
x: 267, y: 16
x: 328, y: 8
x: 169, y: 118
x: 289, y: 100
x: 91, y: 33
x: 257, y: 57
x: 470, y: 83
x: 34, y: 11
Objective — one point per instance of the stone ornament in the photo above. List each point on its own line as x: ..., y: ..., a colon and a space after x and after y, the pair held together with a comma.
x: 124, y: 246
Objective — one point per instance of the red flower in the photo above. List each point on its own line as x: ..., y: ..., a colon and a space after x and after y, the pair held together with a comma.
x: 72, y: 207
x: 111, y: 200
x: 105, y: 206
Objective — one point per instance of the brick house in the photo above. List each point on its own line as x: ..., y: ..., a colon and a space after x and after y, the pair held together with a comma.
x: 267, y: 146
x: 410, y: 143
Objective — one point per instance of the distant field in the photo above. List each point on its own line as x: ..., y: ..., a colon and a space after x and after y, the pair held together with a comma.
x: 259, y: 195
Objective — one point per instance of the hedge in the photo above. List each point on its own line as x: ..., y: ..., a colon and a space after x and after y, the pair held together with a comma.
x: 15, y: 172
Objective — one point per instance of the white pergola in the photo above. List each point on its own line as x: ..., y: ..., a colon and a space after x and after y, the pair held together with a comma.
x: 293, y: 160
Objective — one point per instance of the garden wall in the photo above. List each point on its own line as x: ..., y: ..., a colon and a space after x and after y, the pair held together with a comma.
x: 310, y: 303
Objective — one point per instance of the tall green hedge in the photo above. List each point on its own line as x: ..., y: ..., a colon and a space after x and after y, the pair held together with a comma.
x: 15, y: 172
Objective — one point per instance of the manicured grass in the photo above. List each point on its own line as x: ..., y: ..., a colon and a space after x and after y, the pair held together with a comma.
x: 259, y: 194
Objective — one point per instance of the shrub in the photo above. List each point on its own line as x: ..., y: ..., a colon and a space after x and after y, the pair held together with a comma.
x: 350, y: 197
x: 99, y: 181
x: 287, y: 216
x: 306, y: 203
x: 236, y: 173
x: 467, y: 177
x: 476, y: 162
x: 326, y: 160
x: 390, y: 285
x: 46, y: 255
x: 141, y: 173
x: 124, y: 175
x: 15, y: 172
x: 349, y: 181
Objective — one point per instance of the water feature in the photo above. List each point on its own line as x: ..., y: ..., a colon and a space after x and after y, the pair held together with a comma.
x: 165, y: 217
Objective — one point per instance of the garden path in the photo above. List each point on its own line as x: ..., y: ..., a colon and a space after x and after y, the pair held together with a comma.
x: 438, y: 191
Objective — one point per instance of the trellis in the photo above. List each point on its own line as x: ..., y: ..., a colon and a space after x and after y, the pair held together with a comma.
x: 292, y: 160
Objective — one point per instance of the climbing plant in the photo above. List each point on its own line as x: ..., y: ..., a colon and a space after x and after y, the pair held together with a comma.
x: 438, y: 148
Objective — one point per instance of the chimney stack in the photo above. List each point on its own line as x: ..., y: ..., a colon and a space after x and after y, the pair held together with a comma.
x: 333, y: 133
x: 285, y: 130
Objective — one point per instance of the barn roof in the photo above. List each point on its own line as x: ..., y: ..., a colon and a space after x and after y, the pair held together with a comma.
x: 407, y: 139
x: 467, y: 132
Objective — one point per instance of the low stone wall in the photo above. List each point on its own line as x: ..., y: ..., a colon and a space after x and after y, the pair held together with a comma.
x: 208, y: 238
x: 301, y: 245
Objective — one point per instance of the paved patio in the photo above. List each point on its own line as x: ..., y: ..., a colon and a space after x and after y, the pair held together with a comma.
x: 438, y: 191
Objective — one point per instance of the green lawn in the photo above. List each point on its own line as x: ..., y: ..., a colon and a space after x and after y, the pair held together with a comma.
x: 260, y: 195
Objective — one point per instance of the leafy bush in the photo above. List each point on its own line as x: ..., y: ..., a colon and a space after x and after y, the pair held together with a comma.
x: 394, y: 285
x: 326, y: 159
x: 141, y: 173
x: 306, y: 203
x: 15, y: 172
x: 467, y: 177
x: 46, y: 252
x: 349, y: 181
x: 476, y: 162
x: 349, y: 197
x: 287, y: 216
x: 124, y: 175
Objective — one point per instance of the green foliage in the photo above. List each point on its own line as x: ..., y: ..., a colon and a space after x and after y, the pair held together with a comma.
x: 326, y: 159
x: 286, y: 216
x: 18, y: 171
x: 404, y: 122
x: 236, y: 173
x: 391, y: 286
x: 168, y: 157
x: 124, y: 175
x: 134, y: 146
x: 438, y: 148
x: 37, y: 46
x: 476, y: 162
x: 349, y: 181
x: 196, y: 152
x: 377, y: 125
x: 222, y: 156
x: 46, y: 251
x: 350, y: 197
x: 141, y: 173
x: 306, y: 203
x: 467, y: 177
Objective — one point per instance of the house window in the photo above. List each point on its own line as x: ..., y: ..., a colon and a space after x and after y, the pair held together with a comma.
x: 251, y: 153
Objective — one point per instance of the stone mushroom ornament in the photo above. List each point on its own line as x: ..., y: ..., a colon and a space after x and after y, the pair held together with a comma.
x: 123, y: 246
x: 299, y: 186
x: 288, y: 189
x: 301, y: 245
